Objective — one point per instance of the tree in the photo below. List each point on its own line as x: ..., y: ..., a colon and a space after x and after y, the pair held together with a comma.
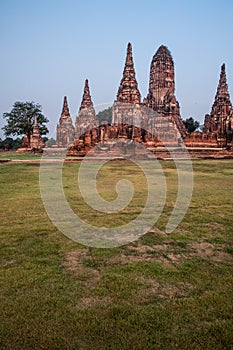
x: 51, y: 142
x: 105, y: 115
x: 21, y: 118
x: 10, y: 144
x: 191, y: 124
x: 45, y: 139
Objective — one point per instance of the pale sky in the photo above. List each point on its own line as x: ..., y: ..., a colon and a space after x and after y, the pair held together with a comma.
x: 48, y: 49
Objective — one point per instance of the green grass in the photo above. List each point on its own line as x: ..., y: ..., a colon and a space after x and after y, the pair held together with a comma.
x: 11, y: 155
x: 160, y: 292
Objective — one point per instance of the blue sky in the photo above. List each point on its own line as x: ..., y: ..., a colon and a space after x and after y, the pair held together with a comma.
x: 48, y: 49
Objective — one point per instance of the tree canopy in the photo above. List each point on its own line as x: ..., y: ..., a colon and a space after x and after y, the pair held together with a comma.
x: 191, y: 124
x: 51, y: 142
x: 10, y: 144
x: 21, y: 118
x: 105, y: 115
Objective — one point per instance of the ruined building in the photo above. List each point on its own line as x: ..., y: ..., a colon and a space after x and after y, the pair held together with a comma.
x: 36, y: 142
x: 65, y: 128
x: 153, y: 122
x: 161, y: 79
x: 127, y: 106
x: 128, y: 90
x: 218, y: 125
x: 157, y: 120
x: 219, y: 122
x: 161, y: 94
x: 86, y: 119
x: 36, y: 139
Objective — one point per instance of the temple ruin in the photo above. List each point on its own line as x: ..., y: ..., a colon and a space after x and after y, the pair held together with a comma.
x: 161, y: 95
x: 35, y: 143
x: 36, y: 139
x: 154, y: 121
x: 86, y: 119
x: 65, y: 128
x: 219, y: 122
x: 218, y: 125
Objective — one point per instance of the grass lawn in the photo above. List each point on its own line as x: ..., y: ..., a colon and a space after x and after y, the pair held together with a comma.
x: 18, y: 156
x: 163, y: 291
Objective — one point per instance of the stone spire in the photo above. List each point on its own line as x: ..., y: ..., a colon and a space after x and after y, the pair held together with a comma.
x: 222, y: 94
x: 161, y: 95
x: 86, y: 119
x: 128, y: 91
x: 220, y: 120
x: 86, y: 100
x: 65, y: 128
x: 36, y: 140
x: 35, y: 127
x: 65, y: 114
x: 162, y: 77
x: 65, y: 109
x: 222, y: 103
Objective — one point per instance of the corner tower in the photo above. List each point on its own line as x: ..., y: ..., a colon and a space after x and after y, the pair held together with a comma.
x: 65, y: 128
x: 86, y: 100
x: 127, y: 107
x: 86, y: 119
x: 36, y: 139
x: 220, y: 120
x: 128, y: 90
x: 222, y: 103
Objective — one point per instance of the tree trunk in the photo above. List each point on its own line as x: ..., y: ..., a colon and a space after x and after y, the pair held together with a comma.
x: 29, y: 139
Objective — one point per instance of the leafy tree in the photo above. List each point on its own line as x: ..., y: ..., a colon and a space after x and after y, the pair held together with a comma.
x: 191, y: 124
x: 10, y: 144
x: 45, y: 139
x: 17, y: 143
x: 51, y: 142
x: 105, y: 115
x: 21, y: 118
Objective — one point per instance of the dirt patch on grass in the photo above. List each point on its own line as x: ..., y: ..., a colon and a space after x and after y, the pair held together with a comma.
x: 74, y: 260
x: 165, y: 290
x: 215, y: 226
x: 142, y: 252
x: 170, y: 254
x: 88, y: 302
x: 74, y: 263
x: 163, y: 253
x: 208, y: 251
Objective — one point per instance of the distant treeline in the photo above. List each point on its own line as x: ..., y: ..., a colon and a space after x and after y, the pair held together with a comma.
x: 10, y: 144
x: 105, y: 115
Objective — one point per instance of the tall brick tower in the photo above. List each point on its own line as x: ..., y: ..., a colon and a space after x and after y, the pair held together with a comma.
x: 86, y: 100
x: 161, y: 95
x: 161, y: 77
x: 36, y: 139
x: 220, y: 120
x: 86, y: 119
x: 65, y: 128
x: 126, y: 108
x: 128, y: 90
